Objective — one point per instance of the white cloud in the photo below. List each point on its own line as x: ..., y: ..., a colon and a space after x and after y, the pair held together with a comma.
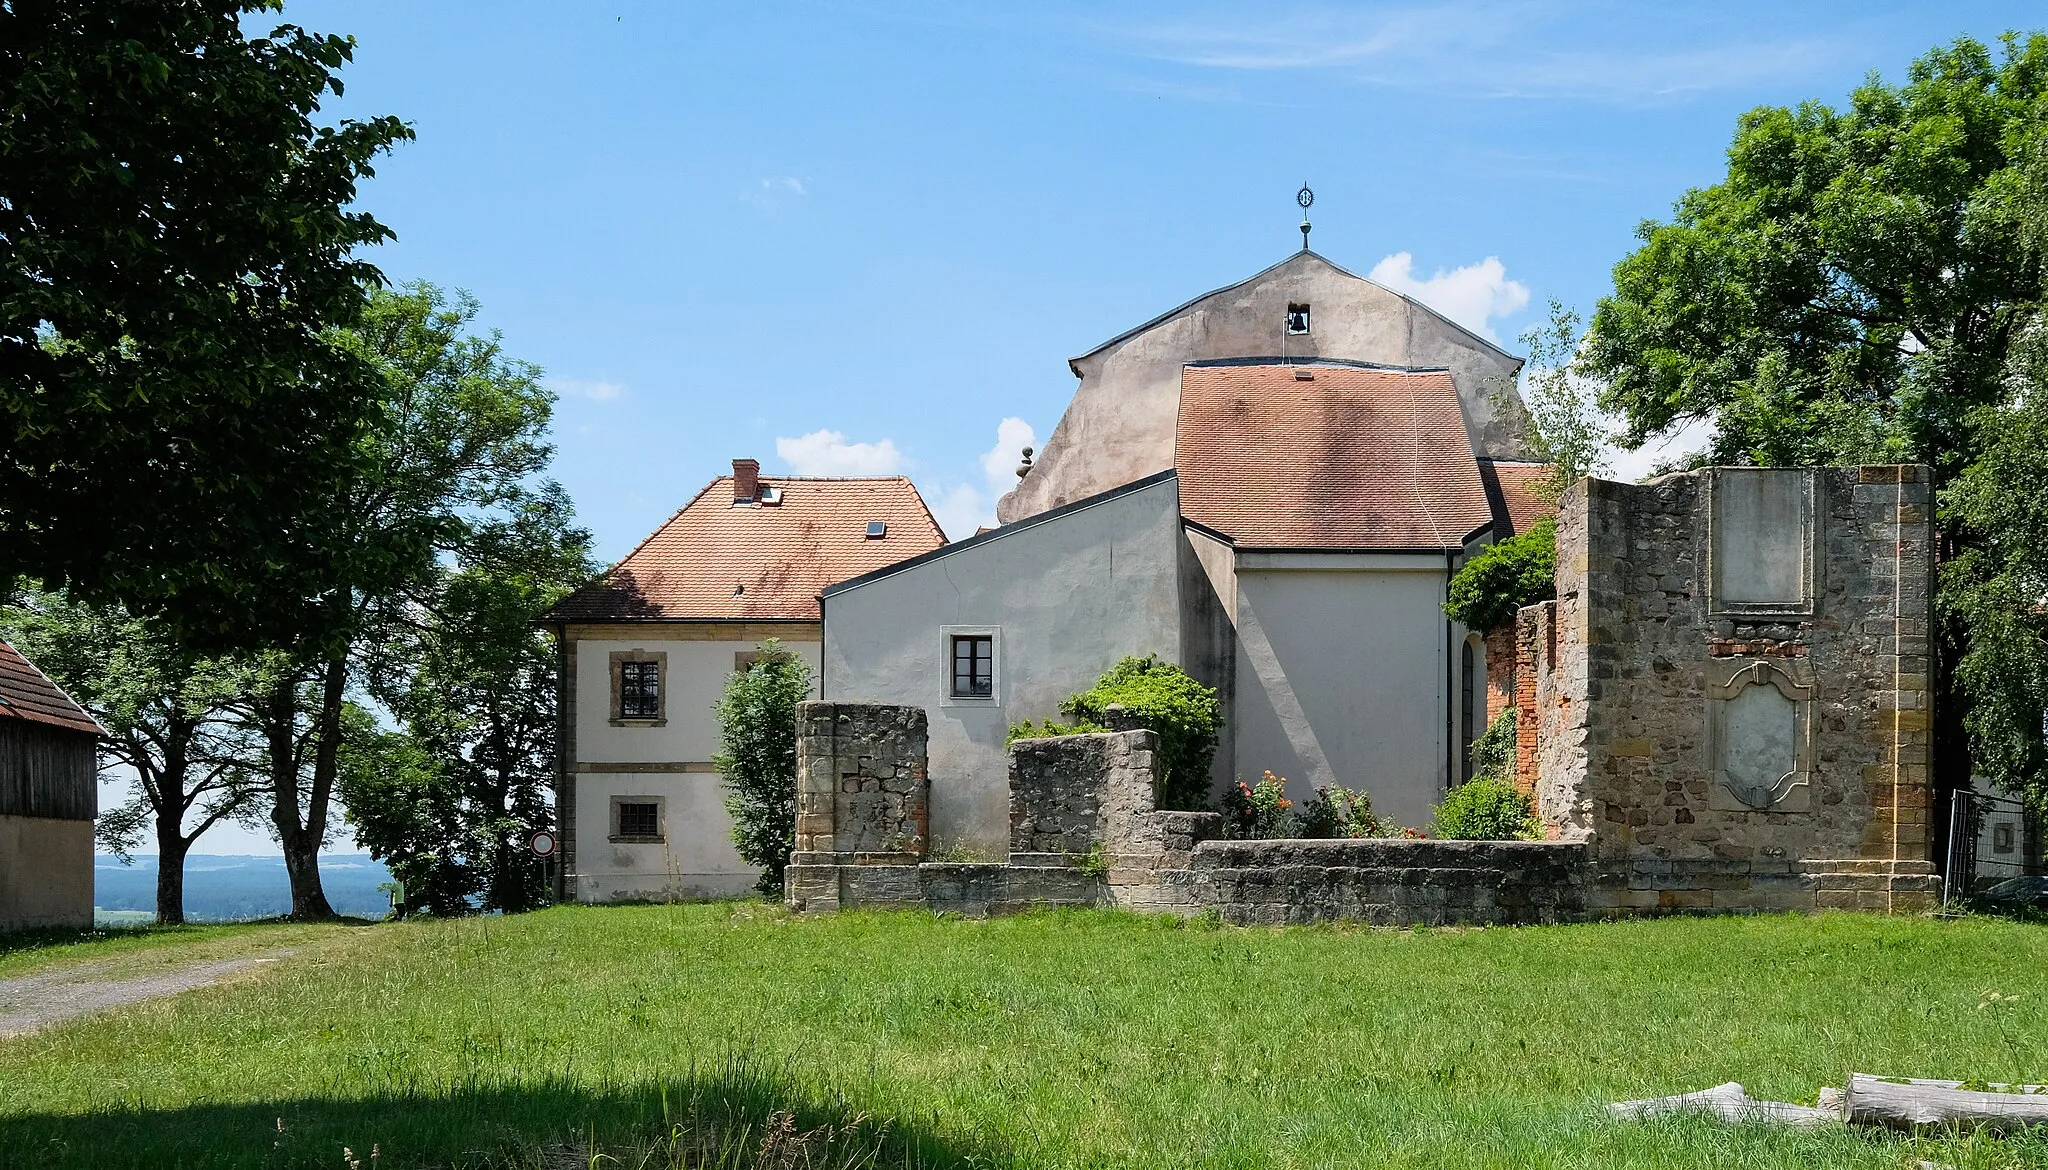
x: 965, y: 507
x: 597, y: 390
x: 1472, y: 296
x: 1632, y: 466
x: 793, y: 185
x: 828, y: 453
x: 960, y: 511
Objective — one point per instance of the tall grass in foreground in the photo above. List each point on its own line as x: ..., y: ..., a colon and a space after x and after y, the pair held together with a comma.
x: 709, y: 1035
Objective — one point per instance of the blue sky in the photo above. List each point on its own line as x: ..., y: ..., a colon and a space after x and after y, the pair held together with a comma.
x: 856, y: 237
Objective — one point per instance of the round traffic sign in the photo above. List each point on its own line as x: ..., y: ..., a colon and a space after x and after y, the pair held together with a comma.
x: 542, y: 843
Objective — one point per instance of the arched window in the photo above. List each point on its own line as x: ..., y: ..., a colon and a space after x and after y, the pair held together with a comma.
x: 1471, y: 696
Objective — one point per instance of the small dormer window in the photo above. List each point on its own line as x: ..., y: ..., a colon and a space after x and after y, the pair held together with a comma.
x: 877, y: 530
x: 770, y: 495
x: 1297, y: 319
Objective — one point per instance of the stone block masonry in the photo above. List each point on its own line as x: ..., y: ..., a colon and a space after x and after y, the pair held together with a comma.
x: 1729, y: 698
x: 862, y: 803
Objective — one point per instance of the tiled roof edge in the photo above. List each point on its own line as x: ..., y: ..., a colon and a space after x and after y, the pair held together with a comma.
x: 979, y: 538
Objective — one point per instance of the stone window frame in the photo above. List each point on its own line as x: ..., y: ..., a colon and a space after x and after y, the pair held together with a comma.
x: 1790, y: 677
x: 1805, y: 607
x: 660, y: 659
x: 994, y: 698
x: 660, y: 834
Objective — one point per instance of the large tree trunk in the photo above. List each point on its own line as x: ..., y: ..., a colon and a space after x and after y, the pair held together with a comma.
x: 171, y: 847
x: 300, y: 842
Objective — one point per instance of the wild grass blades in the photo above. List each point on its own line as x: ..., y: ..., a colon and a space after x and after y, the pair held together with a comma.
x: 666, y: 1036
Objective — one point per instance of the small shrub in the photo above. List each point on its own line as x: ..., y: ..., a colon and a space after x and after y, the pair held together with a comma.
x: 1258, y: 812
x: 757, y: 758
x: 1095, y: 864
x: 1493, y: 753
x: 1504, y: 577
x: 1184, y: 714
x: 1486, y: 808
x: 1338, y: 811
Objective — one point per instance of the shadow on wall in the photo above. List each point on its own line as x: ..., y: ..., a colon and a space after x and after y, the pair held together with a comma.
x: 738, y: 1116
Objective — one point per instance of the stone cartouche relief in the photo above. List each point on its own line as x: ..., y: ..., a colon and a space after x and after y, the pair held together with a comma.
x: 1760, y: 734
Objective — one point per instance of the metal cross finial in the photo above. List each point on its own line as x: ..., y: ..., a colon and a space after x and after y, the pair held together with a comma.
x: 1305, y: 197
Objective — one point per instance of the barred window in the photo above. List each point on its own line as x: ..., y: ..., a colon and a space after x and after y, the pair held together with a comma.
x: 639, y: 690
x: 974, y: 659
x: 641, y: 819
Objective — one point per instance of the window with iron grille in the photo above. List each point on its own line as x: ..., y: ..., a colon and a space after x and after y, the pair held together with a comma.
x: 974, y: 660
x: 638, y: 820
x: 639, y: 690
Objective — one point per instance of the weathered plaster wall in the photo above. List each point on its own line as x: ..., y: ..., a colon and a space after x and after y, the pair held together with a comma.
x: 1120, y: 425
x: 1065, y: 600
x: 669, y: 763
x: 1731, y: 699
x: 45, y: 873
x: 1342, y: 676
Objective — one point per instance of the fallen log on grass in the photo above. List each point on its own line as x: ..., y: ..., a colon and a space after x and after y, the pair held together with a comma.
x: 1728, y: 1102
x: 1906, y: 1103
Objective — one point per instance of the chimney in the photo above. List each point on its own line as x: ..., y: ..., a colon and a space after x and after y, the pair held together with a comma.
x: 746, y: 480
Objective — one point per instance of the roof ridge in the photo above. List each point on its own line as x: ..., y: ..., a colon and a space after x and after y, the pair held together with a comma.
x: 1190, y: 303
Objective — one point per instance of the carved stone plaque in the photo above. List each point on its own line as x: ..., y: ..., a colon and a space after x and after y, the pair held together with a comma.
x: 1759, y: 720
x: 1760, y: 526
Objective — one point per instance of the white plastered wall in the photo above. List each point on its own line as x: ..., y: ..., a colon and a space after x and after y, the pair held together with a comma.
x: 670, y: 764
x: 1343, y: 676
x: 1065, y: 599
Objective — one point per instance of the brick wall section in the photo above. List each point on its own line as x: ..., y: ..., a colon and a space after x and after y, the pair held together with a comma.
x: 1622, y: 704
x: 1503, y: 654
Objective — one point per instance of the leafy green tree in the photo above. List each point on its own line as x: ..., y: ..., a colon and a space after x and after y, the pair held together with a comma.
x: 448, y: 800
x: 456, y: 452
x: 1996, y: 582
x: 166, y: 712
x: 757, y: 757
x: 1853, y: 291
x: 1566, y: 429
x: 177, y: 236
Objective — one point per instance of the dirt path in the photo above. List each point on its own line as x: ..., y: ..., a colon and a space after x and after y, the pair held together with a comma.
x: 51, y: 997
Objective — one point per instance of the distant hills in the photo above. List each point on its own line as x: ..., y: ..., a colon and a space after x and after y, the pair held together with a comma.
x: 221, y: 888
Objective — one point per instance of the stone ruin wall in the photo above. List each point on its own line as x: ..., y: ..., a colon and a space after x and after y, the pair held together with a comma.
x: 1715, y: 630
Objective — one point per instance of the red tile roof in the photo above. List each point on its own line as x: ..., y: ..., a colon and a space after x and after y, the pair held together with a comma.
x: 1349, y: 458
x: 1511, y: 488
x: 28, y: 693
x: 713, y: 561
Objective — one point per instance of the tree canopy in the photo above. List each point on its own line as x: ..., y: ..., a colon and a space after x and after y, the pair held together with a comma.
x: 1850, y: 291
x: 177, y: 239
x: 1866, y: 285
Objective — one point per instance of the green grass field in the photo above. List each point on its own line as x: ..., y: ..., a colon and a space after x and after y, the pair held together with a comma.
x: 1062, y: 1039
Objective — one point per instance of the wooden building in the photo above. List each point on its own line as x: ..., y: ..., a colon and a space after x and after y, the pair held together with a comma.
x: 48, y: 798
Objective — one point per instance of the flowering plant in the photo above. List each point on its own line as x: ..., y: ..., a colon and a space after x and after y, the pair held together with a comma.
x: 1258, y: 811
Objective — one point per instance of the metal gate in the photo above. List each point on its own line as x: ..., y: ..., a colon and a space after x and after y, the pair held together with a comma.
x: 1992, y: 840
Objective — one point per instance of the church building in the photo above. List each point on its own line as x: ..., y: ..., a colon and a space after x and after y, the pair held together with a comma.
x: 1269, y: 486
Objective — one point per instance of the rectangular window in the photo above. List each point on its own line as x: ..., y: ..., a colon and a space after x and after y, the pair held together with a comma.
x: 974, y: 660
x: 638, y: 820
x: 639, y: 690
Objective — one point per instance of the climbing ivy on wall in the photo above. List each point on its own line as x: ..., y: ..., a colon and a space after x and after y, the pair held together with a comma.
x: 1504, y: 577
